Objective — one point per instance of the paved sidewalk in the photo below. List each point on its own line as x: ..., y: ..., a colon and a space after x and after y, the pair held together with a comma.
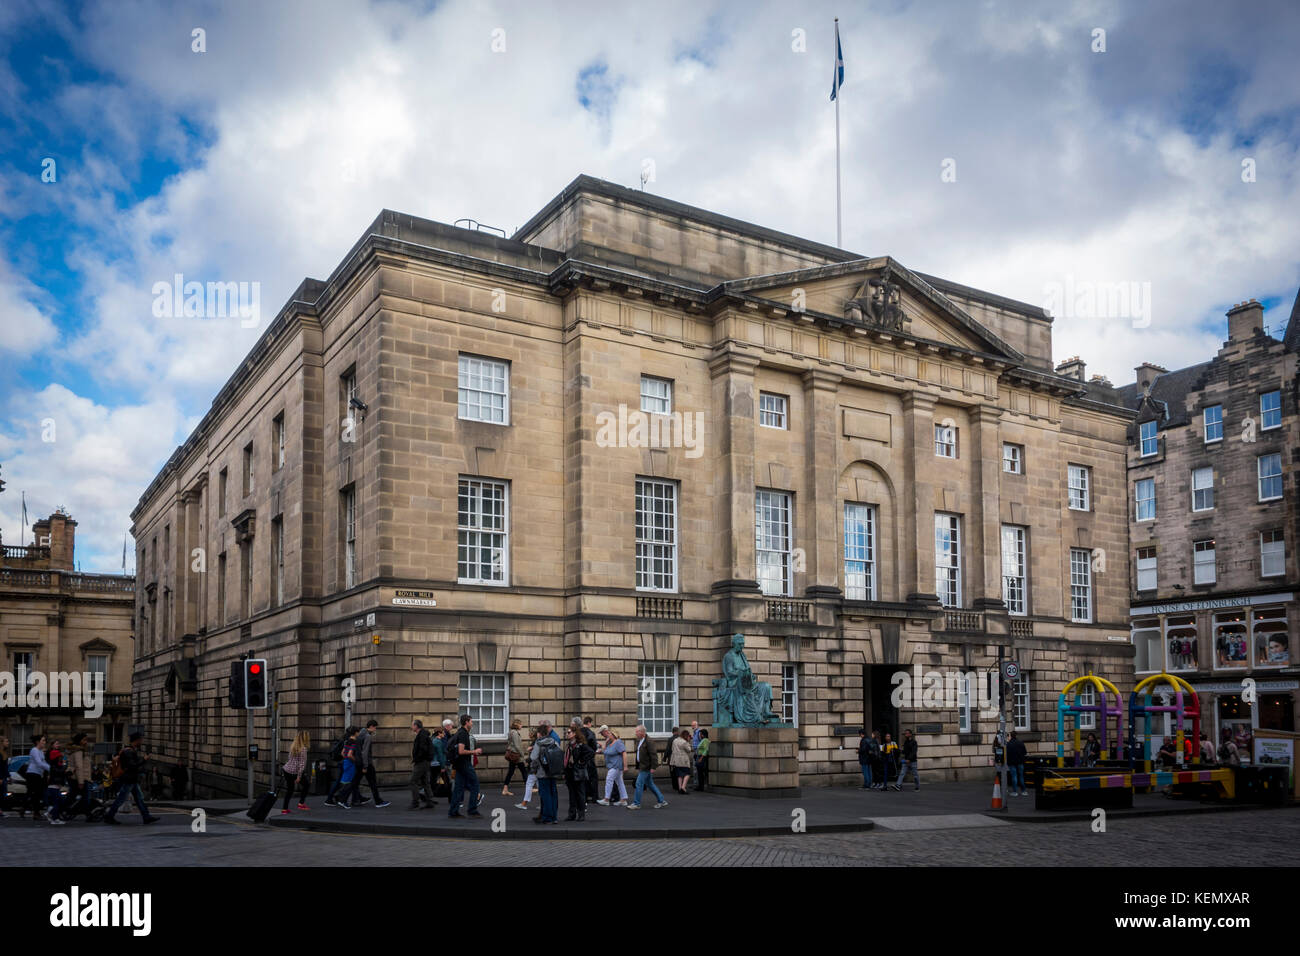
x: 818, y: 810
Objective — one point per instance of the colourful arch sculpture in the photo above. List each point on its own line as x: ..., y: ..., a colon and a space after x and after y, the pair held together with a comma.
x: 1145, y: 709
x: 1105, y: 708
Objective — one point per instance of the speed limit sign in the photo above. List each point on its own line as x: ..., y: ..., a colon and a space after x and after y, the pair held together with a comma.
x: 1013, y: 669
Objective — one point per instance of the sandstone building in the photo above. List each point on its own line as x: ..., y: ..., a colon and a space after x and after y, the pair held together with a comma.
x: 1213, y: 513
x: 54, y: 619
x: 551, y: 475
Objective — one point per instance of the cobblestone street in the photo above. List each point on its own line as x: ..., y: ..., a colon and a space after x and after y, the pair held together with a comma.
x: 943, y: 840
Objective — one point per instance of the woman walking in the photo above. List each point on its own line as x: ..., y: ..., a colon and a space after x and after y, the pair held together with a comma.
x: 295, y: 771
x: 614, y: 750
x: 516, y: 757
x: 576, y: 756
x: 702, y: 762
x: 680, y: 760
x: 34, y: 773
x: 527, y: 767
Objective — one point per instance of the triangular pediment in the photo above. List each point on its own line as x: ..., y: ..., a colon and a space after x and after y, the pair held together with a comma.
x: 882, y: 294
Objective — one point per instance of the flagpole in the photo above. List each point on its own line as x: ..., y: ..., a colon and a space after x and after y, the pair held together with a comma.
x: 839, y: 241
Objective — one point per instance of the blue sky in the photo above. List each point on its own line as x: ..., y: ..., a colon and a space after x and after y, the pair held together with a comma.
x: 262, y: 158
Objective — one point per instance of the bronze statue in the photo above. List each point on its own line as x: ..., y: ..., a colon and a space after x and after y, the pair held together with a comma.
x: 738, y: 699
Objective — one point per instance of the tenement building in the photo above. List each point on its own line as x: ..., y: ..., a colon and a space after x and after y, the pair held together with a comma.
x: 67, y: 637
x: 1211, y: 474
x: 552, y: 475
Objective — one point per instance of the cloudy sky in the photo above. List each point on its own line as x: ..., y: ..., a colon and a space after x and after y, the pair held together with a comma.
x: 1009, y: 146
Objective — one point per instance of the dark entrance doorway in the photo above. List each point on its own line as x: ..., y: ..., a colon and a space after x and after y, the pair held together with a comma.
x: 877, y: 688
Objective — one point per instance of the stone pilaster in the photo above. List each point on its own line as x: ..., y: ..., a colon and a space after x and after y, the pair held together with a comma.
x: 820, y: 533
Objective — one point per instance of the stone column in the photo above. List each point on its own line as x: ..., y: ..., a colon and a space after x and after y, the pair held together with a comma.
x: 735, y: 406
x: 918, y: 508
x: 986, y: 524
x: 819, y: 533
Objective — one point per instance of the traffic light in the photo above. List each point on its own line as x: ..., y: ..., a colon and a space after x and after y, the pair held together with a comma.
x: 255, y: 696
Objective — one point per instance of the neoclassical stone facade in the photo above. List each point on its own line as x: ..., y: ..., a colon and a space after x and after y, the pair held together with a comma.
x: 551, y: 475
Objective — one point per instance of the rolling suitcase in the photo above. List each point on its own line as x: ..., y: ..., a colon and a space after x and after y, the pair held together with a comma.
x: 262, y: 807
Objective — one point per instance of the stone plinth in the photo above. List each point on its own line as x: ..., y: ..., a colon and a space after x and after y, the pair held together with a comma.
x: 754, y: 761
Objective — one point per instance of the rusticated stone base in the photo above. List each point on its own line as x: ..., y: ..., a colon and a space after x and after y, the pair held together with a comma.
x: 754, y: 761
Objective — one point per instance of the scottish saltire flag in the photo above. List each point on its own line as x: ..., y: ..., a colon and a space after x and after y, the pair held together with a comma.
x: 837, y: 79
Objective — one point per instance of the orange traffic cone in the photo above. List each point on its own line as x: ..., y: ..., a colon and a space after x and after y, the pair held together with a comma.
x: 997, y: 791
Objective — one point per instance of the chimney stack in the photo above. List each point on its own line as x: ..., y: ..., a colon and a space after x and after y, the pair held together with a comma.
x: 1073, y: 367
x: 60, y: 530
x: 1146, y: 375
x: 1244, y: 320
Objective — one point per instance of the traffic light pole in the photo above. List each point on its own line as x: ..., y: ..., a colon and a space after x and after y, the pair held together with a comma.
x: 248, y: 754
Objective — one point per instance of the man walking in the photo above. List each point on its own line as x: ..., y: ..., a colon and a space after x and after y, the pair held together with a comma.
x: 464, y: 749
x: 366, y: 761
x: 909, y: 760
x: 421, y: 768
x: 889, y: 759
x: 646, y: 759
x: 1016, y: 767
x: 589, y: 731
x: 695, y: 751
x: 132, y: 764
x: 867, y: 752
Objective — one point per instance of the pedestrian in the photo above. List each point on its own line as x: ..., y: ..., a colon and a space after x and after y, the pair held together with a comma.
x: 132, y: 762
x: 614, y: 749
x: 889, y: 759
x: 464, y: 751
x: 336, y: 754
x: 439, y: 763
x: 542, y: 761
x: 550, y: 732
x: 865, y: 745
x: 1016, y: 766
x: 4, y: 774
x: 527, y: 763
x: 366, y: 762
x: 295, y: 772
x: 589, y: 731
x: 909, y: 760
x: 1091, y: 751
x: 1229, y: 755
x: 702, y: 762
x: 695, y: 746
x: 1207, y: 750
x: 79, y: 772
x: 681, y: 759
x: 421, y: 767
x: 877, y: 762
x: 1168, y: 754
x: 576, y: 757
x: 646, y: 761
x: 58, y: 764
x: 350, y: 778
x: 668, y: 746
x: 516, y: 757
x: 34, y: 775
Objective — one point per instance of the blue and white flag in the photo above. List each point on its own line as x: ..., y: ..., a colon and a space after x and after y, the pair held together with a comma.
x: 837, y: 79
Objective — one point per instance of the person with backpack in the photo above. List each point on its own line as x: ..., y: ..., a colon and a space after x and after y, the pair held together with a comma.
x: 909, y: 760
x: 421, y: 767
x: 294, y: 771
x: 614, y: 750
x: 1207, y: 750
x: 516, y: 756
x: 464, y: 751
x: 335, y: 757
x: 647, y: 759
x: 350, y: 777
x: 1229, y: 755
x: 129, y: 764
x: 547, y: 762
x: 79, y: 772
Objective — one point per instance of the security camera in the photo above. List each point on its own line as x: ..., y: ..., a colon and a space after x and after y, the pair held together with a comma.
x: 357, y: 403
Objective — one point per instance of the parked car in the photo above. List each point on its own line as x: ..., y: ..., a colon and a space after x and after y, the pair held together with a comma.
x: 18, y: 785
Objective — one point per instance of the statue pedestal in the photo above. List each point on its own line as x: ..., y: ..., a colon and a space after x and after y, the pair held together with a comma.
x: 754, y: 761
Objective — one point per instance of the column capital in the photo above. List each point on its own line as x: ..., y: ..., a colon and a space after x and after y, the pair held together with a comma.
x: 919, y: 402
x: 816, y: 379
x: 986, y: 414
x: 734, y: 363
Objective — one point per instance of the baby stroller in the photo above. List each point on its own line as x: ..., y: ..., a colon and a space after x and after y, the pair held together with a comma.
x: 91, y: 802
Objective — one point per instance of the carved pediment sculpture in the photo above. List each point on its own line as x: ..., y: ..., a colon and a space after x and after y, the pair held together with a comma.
x: 878, y: 304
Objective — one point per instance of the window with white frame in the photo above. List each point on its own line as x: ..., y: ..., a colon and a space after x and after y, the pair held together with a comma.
x: 1148, y: 441
x: 945, y: 441
x: 277, y: 440
x: 347, y: 392
x: 483, y: 390
x: 349, y: 509
x: 1087, y: 698
x: 97, y: 666
x: 1272, y: 553
x: 248, y: 469
x: 482, y: 534
x: 1202, y: 489
x: 1148, y: 646
x: 1146, y: 569
x: 656, y: 396
x: 657, y: 697
x: 1080, y: 585
x: 1013, y: 458
x: 486, y: 698
x: 1231, y: 640
x: 24, y: 662
x: 1020, y: 702
x: 1203, y: 569
x: 1268, y: 629
x: 772, y: 542
x: 1270, y: 410
x: 1144, y: 491
x: 1269, y: 468
x: 859, y: 552
x: 656, y: 535
x: 1212, y: 418
x: 963, y: 704
x: 790, y: 694
x: 1078, y: 488
x: 772, y: 410
x: 1013, y: 568
x: 947, y: 558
